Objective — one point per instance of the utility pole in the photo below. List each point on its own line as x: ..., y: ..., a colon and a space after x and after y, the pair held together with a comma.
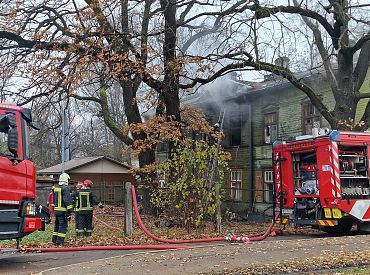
x: 65, y: 136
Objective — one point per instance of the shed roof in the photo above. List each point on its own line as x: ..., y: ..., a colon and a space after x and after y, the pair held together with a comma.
x: 98, y: 164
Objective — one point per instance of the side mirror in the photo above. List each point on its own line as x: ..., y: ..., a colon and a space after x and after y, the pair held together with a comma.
x: 13, y: 141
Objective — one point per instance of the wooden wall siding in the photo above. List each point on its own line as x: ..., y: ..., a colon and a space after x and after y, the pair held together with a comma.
x: 258, y: 196
x: 363, y: 102
x: 239, y: 161
x: 262, y: 156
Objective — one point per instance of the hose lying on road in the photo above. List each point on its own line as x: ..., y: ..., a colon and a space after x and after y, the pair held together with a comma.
x: 113, y: 247
x: 251, y: 238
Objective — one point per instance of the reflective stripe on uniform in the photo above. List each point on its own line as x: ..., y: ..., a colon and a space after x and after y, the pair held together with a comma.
x: 82, y: 198
x: 59, y: 206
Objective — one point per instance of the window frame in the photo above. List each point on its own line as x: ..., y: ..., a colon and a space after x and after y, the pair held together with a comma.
x: 270, y: 110
x: 268, y: 182
x: 111, y: 194
x: 236, y: 194
x: 235, y: 125
x: 304, y: 106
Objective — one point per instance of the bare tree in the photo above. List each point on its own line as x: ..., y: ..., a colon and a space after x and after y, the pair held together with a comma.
x: 339, y: 42
x: 65, y: 45
x: 150, y: 48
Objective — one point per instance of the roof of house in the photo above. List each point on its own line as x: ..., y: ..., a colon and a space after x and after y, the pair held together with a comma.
x: 77, y: 165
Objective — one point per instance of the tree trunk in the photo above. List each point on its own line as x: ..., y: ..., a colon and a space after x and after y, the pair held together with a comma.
x: 345, y: 99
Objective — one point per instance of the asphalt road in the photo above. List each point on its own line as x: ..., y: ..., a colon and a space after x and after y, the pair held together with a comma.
x: 28, y: 263
x: 31, y: 263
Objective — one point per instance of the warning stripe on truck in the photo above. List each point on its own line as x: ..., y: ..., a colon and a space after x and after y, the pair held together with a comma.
x: 335, y: 179
x: 284, y: 221
x: 326, y: 222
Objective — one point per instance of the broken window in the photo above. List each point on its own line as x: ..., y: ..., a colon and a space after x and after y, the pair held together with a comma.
x: 234, y: 129
x: 270, y: 127
x: 311, y: 118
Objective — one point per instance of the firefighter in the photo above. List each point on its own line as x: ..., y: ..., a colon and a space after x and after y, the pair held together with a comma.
x: 86, y: 200
x: 79, y: 186
x: 50, y: 202
x: 62, y: 209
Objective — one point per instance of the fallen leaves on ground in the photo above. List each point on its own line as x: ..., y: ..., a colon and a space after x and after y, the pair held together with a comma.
x: 109, y: 230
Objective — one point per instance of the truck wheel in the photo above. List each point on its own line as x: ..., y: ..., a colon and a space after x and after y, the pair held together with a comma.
x: 363, y: 227
x: 343, y: 228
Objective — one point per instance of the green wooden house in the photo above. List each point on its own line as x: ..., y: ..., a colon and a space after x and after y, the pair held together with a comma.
x: 255, y: 115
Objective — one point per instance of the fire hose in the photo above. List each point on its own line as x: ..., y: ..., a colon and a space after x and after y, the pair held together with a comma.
x: 107, y: 224
x: 229, y: 237
x: 251, y: 238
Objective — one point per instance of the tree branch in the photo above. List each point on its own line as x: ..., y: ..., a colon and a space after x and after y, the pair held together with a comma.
x: 118, y: 131
x: 88, y: 98
x: 278, y: 70
x: 263, y: 12
x: 364, y: 39
x: 323, y: 53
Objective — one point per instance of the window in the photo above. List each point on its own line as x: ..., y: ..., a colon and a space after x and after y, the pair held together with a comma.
x: 162, y: 147
x: 4, y: 144
x: 269, y: 185
x: 161, y: 176
x: 270, y: 127
x: 234, y: 128
x: 311, y: 118
x: 236, y: 185
x: 111, y: 193
x: 4, y: 129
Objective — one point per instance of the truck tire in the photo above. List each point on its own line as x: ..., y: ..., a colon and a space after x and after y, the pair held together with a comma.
x: 343, y: 228
x: 363, y: 227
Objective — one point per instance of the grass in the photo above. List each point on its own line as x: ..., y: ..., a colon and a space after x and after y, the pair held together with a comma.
x: 104, y: 235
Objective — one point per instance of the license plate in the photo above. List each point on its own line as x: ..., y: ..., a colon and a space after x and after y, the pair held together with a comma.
x: 287, y: 211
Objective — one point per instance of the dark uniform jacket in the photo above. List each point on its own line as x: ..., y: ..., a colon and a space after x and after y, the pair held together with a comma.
x: 62, y: 200
x: 85, y: 200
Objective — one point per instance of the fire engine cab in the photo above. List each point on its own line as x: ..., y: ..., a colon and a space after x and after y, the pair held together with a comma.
x: 323, y: 181
x: 19, y: 215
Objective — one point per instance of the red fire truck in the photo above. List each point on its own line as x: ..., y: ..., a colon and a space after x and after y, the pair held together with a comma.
x: 19, y: 215
x: 323, y: 181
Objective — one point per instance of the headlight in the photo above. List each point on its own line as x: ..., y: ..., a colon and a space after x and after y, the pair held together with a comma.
x: 30, y: 209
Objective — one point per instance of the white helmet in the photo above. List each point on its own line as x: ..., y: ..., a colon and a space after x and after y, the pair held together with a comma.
x: 63, y: 179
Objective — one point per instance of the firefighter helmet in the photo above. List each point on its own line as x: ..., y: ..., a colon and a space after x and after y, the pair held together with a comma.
x: 63, y: 179
x: 88, y: 183
x: 79, y: 185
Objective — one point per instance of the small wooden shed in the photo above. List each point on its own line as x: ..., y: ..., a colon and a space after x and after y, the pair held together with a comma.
x: 107, y: 174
